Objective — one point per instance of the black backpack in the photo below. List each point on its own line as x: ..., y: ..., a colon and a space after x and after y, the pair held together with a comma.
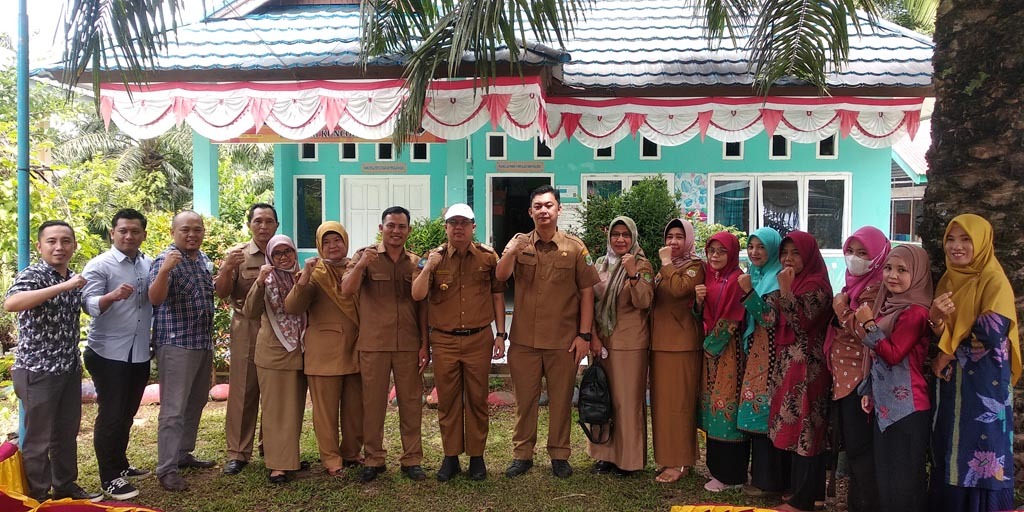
x: 595, y: 405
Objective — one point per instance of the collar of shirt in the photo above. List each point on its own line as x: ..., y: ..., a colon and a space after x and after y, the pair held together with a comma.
x: 120, y: 256
x: 251, y: 248
x: 46, y: 267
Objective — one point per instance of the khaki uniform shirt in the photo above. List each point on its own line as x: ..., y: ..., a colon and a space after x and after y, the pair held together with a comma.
x: 674, y: 326
x: 632, y: 321
x: 549, y: 277
x: 461, y: 288
x: 330, y: 335
x: 270, y: 353
x: 243, y: 328
x: 388, y: 320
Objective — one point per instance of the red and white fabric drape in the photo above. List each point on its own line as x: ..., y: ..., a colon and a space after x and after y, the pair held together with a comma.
x: 456, y: 109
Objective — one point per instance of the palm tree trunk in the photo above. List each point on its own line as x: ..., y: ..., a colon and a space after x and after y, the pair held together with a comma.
x: 976, y: 162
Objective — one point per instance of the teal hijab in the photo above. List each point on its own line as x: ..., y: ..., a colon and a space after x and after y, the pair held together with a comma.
x: 764, y: 278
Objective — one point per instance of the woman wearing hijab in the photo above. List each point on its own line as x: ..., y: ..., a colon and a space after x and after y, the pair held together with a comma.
x: 728, y: 449
x: 896, y: 331
x: 797, y: 419
x: 278, y: 358
x: 866, y: 252
x: 769, y: 466
x: 676, y: 348
x: 622, y: 301
x: 331, y: 363
x: 973, y: 314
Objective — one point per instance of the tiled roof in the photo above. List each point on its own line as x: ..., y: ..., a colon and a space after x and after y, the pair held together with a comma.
x: 621, y: 43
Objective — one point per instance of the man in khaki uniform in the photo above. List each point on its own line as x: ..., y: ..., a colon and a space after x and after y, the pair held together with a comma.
x: 553, y: 315
x: 465, y: 298
x: 392, y: 341
x: 237, y: 274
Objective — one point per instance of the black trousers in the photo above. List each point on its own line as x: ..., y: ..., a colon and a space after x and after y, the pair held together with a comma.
x: 769, y: 466
x: 808, y: 478
x: 119, y: 388
x: 857, y: 430
x: 728, y: 461
x: 900, y: 455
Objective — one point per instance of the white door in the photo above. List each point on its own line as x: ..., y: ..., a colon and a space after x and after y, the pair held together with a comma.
x: 364, y: 198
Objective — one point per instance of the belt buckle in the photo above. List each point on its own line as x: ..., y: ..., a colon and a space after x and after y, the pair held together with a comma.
x: 462, y: 332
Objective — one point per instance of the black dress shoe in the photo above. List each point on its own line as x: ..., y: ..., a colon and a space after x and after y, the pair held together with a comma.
x: 278, y: 479
x: 351, y: 463
x: 414, y: 472
x: 622, y: 473
x: 449, y: 468
x: 561, y: 468
x: 602, y: 467
x: 173, y: 482
x: 518, y: 467
x: 477, y: 468
x: 369, y: 473
x: 191, y: 462
x: 75, y: 492
x: 234, y: 466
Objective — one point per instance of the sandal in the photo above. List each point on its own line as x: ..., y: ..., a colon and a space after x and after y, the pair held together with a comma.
x: 669, y: 475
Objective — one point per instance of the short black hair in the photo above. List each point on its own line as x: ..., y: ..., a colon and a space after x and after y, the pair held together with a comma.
x: 50, y: 224
x: 261, y: 206
x: 546, y: 189
x: 128, y: 214
x: 394, y: 210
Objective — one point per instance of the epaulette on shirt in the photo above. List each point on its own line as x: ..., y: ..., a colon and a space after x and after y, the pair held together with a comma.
x: 441, y: 249
x: 484, y: 247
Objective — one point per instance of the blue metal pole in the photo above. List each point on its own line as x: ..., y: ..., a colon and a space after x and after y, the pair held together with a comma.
x: 23, y: 132
x: 23, y: 149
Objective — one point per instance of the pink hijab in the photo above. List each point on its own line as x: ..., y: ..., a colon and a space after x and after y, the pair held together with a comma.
x: 878, y: 248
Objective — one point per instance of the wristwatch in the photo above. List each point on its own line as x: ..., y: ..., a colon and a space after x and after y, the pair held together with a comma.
x: 502, y: 335
x: 869, y: 328
x: 585, y: 336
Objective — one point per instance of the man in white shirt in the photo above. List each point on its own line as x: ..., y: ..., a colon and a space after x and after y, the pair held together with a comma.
x: 117, y: 354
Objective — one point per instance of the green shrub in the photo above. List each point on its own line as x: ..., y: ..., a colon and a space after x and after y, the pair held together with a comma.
x: 425, y: 234
x: 648, y: 202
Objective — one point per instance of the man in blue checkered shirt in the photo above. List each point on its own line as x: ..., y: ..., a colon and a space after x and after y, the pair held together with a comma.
x: 181, y: 291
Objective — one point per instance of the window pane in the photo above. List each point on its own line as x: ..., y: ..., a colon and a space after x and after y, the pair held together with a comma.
x: 420, y: 151
x: 385, y: 151
x: 734, y: 149
x: 649, y: 149
x: 827, y: 147
x: 603, y: 152
x: 918, y: 212
x: 825, y: 209
x: 496, y: 146
x: 780, y: 202
x: 469, y: 192
x: 603, y: 188
x: 780, y: 148
x: 901, y: 220
x: 543, y: 151
x: 309, y: 203
x: 732, y: 203
x: 348, y: 151
x: 308, y: 151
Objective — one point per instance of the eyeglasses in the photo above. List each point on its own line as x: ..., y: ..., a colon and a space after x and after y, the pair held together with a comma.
x: 716, y: 252
x: 456, y: 222
x: 276, y: 255
x: 626, y: 236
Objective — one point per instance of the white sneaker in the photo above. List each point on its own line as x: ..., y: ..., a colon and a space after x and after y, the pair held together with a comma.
x: 119, y: 489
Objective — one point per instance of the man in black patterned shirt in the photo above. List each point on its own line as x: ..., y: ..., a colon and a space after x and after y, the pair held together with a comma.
x: 47, y: 369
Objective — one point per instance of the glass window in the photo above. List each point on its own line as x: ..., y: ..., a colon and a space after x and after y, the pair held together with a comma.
x: 421, y: 152
x: 604, y: 188
x: 733, y: 150
x: 827, y: 147
x: 650, y: 149
x: 780, y: 205
x: 496, y: 146
x: 385, y: 151
x: 825, y: 205
x: 307, y: 151
x: 542, y: 151
x: 349, y: 151
x: 309, y: 212
x: 606, y: 153
x: 906, y: 219
x: 732, y: 203
x: 780, y: 147
x: 469, y: 192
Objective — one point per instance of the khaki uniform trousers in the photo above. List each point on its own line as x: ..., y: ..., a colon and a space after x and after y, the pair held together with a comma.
x: 244, y: 395
x: 461, y: 367
x: 284, y: 401
x: 337, y: 397
x: 527, y: 365
x: 376, y: 369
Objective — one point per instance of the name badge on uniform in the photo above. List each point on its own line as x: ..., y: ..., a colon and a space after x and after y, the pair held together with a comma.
x: 691, y: 272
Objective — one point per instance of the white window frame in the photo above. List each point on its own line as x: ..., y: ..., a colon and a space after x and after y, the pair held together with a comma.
x: 295, y: 203
x: 756, y: 211
x: 412, y: 153
x: 625, y: 179
x: 835, y: 149
x: 504, y: 146
x: 376, y: 152
x: 611, y: 157
x: 536, y: 156
x: 316, y: 152
x: 640, y: 154
x: 728, y: 157
x: 341, y: 152
x: 771, y: 145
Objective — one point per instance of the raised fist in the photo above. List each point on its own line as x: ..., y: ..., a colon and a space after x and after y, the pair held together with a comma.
x: 629, y: 263
x: 122, y: 292
x: 369, y: 256
x: 172, y: 259
x: 745, y: 283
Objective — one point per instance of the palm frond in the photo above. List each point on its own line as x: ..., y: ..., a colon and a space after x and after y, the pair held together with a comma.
x: 805, y: 39
x: 123, y: 34
x: 85, y: 146
x: 725, y: 17
x: 923, y: 11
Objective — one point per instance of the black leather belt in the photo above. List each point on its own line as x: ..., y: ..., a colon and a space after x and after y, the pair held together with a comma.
x: 460, y: 332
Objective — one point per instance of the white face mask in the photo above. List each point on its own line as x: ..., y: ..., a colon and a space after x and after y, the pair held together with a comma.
x: 857, y: 266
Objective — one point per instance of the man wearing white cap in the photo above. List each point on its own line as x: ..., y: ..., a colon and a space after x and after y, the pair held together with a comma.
x: 465, y: 297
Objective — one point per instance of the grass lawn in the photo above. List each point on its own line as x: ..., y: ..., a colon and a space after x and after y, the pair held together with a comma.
x: 314, y: 490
